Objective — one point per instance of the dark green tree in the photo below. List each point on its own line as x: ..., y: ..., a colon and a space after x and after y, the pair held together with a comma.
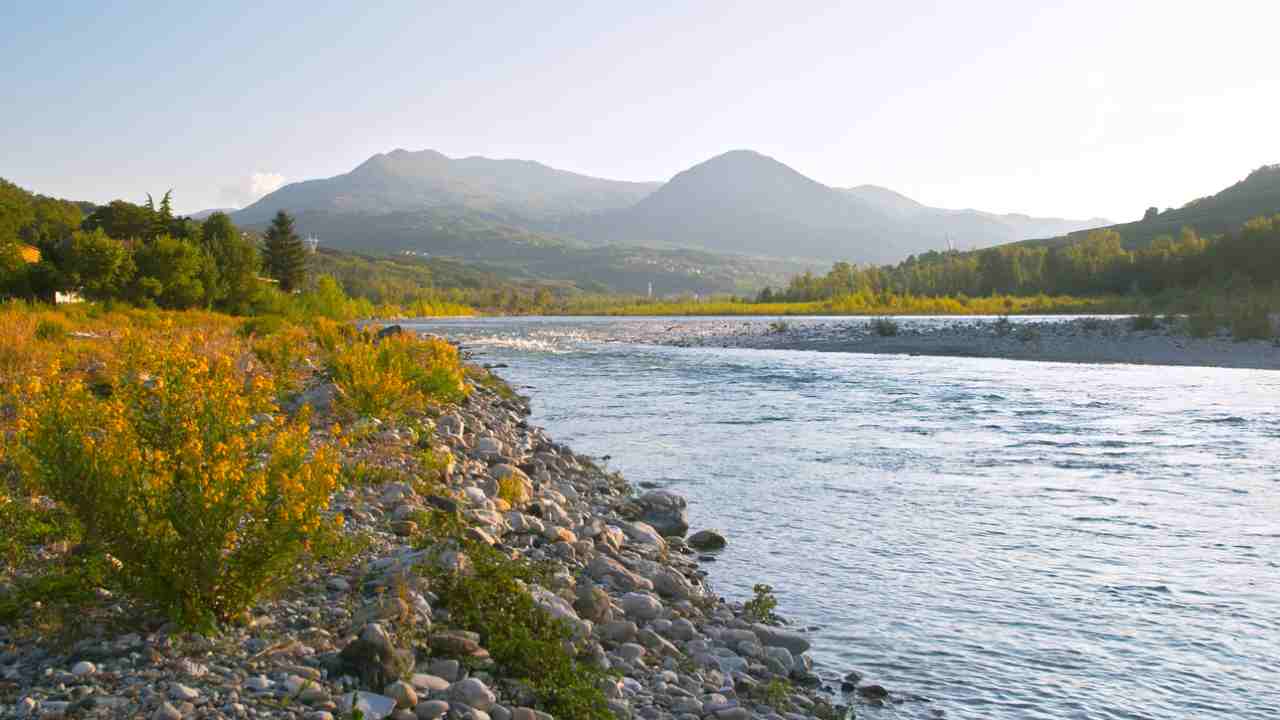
x: 283, y: 254
x: 171, y: 273
x: 95, y: 265
x: 235, y: 261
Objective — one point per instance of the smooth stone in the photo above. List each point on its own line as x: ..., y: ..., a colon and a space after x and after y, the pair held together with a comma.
x: 473, y: 693
x: 431, y: 709
x: 82, y: 668
x: 403, y: 693
x: 707, y: 540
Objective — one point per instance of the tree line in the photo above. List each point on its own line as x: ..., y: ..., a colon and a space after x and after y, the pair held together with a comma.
x: 143, y: 254
x: 1237, y: 263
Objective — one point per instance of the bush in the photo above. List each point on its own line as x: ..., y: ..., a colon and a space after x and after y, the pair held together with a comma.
x: 760, y: 608
x: 1202, y: 324
x: 391, y: 376
x: 884, y: 327
x: 284, y: 353
x: 262, y: 326
x: 525, y: 641
x: 1251, y: 320
x: 50, y: 330
x: 779, y: 327
x: 1146, y: 321
x: 180, y: 475
x: 1029, y: 334
x: 1002, y: 326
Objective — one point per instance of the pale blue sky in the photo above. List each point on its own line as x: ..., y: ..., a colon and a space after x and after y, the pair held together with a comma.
x: 1054, y: 108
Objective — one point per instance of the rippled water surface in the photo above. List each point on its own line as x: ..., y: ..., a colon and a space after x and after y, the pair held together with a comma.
x: 986, y: 538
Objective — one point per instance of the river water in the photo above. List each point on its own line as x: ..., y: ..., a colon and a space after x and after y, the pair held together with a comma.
x: 986, y: 538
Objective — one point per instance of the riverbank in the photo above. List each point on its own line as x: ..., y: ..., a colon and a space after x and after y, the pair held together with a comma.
x: 1077, y: 340
x: 436, y: 514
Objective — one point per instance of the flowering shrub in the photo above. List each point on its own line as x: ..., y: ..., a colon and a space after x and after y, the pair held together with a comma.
x: 284, y: 353
x: 181, y: 473
x: 394, y: 375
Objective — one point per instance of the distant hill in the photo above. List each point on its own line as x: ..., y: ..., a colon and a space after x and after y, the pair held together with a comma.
x: 202, y: 214
x: 968, y: 228
x: 513, y: 191
x: 741, y: 203
x: 745, y: 202
x: 1257, y: 194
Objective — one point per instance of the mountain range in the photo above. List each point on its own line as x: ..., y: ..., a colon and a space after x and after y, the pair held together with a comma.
x: 740, y: 203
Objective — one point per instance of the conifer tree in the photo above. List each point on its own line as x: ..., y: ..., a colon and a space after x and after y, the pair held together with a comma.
x: 283, y: 255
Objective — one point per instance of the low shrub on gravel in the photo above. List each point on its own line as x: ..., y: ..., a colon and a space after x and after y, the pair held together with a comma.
x: 1251, y: 320
x: 180, y: 473
x: 526, y: 642
x: 884, y: 327
x: 391, y: 376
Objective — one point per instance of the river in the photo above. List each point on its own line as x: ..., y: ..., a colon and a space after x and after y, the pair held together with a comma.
x: 986, y: 538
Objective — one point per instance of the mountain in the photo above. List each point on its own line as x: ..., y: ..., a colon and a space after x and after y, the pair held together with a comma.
x: 1257, y: 194
x: 202, y: 214
x: 517, y: 191
x: 740, y: 203
x: 745, y: 202
x: 969, y: 228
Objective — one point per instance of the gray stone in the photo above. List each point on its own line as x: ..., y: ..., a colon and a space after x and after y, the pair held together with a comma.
x: 473, y: 693
x: 84, y: 667
x: 642, y: 606
x: 371, y: 705
x: 707, y: 540
x: 777, y: 637
x: 166, y: 712
x: 447, y: 669
x: 665, y: 511
x: 178, y: 691
x: 431, y: 709
x: 403, y: 693
x: 429, y: 683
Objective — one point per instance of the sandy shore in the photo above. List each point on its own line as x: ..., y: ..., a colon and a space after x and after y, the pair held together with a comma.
x: 1071, y: 340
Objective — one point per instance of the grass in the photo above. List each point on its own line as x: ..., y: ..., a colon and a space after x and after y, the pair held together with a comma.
x: 526, y: 642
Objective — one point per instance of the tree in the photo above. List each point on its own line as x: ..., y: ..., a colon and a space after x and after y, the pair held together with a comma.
x: 121, y: 220
x: 95, y: 265
x: 235, y: 263
x: 171, y: 273
x: 283, y: 254
x: 1151, y: 213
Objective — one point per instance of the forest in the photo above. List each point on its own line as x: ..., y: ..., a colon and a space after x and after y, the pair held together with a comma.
x: 1240, y: 264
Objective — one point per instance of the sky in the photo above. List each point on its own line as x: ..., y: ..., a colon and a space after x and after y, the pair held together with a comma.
x: 1071, y: 109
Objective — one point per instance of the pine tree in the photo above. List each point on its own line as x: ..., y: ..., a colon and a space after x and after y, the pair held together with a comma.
x: 283, y: 255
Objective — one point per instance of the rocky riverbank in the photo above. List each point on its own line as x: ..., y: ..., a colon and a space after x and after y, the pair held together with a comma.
x: 368, y: 636
x: 1078, y: 340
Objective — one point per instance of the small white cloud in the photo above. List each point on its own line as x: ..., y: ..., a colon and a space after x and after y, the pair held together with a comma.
x: 250, y: 188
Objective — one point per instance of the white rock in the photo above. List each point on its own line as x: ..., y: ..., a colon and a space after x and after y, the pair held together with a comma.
x: 84, y: 667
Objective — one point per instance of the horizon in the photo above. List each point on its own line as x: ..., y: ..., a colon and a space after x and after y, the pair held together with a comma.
x: 1084, y: 112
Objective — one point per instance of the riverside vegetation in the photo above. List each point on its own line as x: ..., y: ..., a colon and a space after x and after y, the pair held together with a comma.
x: 205, y: 516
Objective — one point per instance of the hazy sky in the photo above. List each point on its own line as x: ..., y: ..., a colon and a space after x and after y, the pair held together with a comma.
x: 1074, y: 109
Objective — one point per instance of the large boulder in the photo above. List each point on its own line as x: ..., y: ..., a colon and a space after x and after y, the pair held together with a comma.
x: 706, y: 540
x: 771, y: 636
x: 665, y: 511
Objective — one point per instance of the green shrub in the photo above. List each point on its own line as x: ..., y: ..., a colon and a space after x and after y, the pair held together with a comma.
x: 779, y: 327
x: 527, y: 643
x: 389, y: 377
x: 1146, y: 321
x: 1029, y: 334
x: 760, y: 608
x: 1251, y: 320
x: 1002, y: 326
x: 1202, y: 323
x: 50, y: 330
x: 262, y: 326
x: 178, y: 475
x: 884, y: 327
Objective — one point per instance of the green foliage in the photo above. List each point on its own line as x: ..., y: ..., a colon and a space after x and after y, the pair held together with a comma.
x: 50, y: 330
x: 884, y: 327
x: 526, y: 642
x: 1251, y: 320
x: 284, y: 256
x: 176, y: 474
x: 760, y: 607
x: 389, y: 377
x: 776, y: 693
x: 1203, y: 323
x: 96, y: 265
x: 778, y: 327
x: 172, y: 274
x: 1002, y: 326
